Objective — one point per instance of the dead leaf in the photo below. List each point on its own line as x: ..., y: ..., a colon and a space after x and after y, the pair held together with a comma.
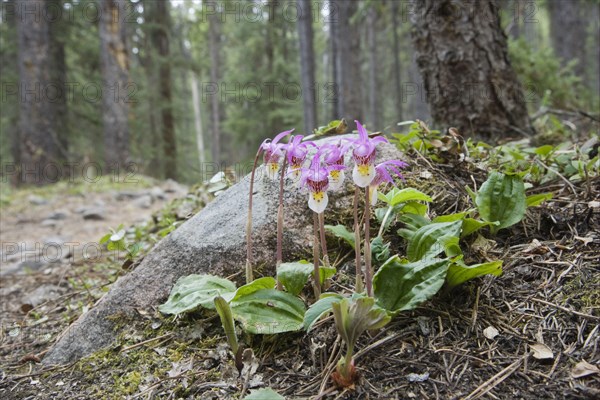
x: 490, y: 332
x: 541, y: 351
x: 536, y: 247
x: 584, y: 368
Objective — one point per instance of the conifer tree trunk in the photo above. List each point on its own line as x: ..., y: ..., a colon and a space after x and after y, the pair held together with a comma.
x: 214, y: 38
x: 161, y: 40
x: 307, y: 64
x: 374, y: 96
x: 347, y: 36
x: 462, y: 55
x: 114, y: 65
x: 397, y: 65
x: 568, y: 31
x: 39, y: 145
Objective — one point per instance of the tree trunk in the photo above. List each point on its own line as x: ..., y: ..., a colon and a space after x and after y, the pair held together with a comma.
x: 307, y: 63
x: 114, y: 65
x: 348, y: 61
x: 161, y: 41
x: 39, y: 143
x: 462, y: 55
x: 336, y: 112
x: 374, y: 61
x: 149, y: 55
x: 568, y: 26
x: 214, y: 38
x: 397, y: 65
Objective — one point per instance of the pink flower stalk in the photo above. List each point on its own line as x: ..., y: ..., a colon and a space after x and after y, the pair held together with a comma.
x: 364, y: 156
x: 334, y: 156
x: 273, y: 151
x: 382, y: 175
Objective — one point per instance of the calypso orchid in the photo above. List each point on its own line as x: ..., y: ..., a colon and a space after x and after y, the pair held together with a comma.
x: 273, y: 151
x: 296, y: 155
x: 316, y: 180
x: 382, y: 175
x: 333, y: 155
x: 364, y: 156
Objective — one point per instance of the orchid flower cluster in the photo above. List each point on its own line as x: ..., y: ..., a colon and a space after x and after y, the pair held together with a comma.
x: 325, y: 171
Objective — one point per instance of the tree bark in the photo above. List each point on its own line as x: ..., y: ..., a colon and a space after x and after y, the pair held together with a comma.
x: 39, y: 144
x: 568, y: 31
x: 397, y: 64
x: 114, y: 66
x: 161, y: 40
x: 307, y: 64
x: 214, y: 39
x: 374, y: 64
x: 348, y: 61
x: 336, y: 112
x: 462, y: 55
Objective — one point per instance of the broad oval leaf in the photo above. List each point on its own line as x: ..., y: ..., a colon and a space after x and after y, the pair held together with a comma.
x: 459, y: 273
x: 342, y: 232
x: 537, y: 199
x: 268, y: 311
x: 193, y: 291
x: 501, y: 199
x: 266, y: 282
x: 320, y: 308
x: 396, y: 196
x: 294, y: 275
x: 425, y: 243
x: 401, y: 286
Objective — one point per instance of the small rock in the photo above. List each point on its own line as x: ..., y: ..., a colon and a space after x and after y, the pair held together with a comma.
x: 49, y: 222
x: 143, y: 202
x: 43, y: 294
x: 58, y: 215
x: 490, y: 332
x: 418, y: 377
x: 128, y: 195
x: 158, y: 193
x: 170, y: 186
x: 94, y: 214
x: 36, y: 200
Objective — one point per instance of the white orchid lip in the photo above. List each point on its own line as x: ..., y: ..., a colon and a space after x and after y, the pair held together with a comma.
x: 363, y: 174
x: 373, y: 194
x: 272, y: 169
x: 317, y: 201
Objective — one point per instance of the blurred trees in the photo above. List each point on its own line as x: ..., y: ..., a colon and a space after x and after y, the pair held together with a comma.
x: 160, y: 81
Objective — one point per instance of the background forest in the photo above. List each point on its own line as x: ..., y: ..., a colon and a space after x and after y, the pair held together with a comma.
x: 206, y: 81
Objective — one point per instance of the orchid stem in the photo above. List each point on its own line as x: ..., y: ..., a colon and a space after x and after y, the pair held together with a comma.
x: 317, y: 275
x: 323, y: 240
x: 368, y: 271
x: 358, y: 288
x: 280, y: 220
x: 249, y: 259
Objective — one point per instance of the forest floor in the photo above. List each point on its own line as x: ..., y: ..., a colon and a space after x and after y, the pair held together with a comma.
x: 532, y: 333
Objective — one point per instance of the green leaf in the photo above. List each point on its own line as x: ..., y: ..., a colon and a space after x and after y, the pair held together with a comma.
x: 320, y: 308
x: 105, y: 238
x: 193, y: 291
x: 224, y: 311
x: 450, y: 217
x: 425, y: 241
x: 326, y: 273
x: 537, y: 199
x: 380, y: 251
x: 396, y: 196
x: 294, y: 275
x: 356, y: 315
x: 264, y: 394
x: 501, y: 198
x: 266, y: 282
x: 472, y: 225
x: 268, y: 311
x: 342, y: 232
x: 401, y: 286
x: 412, y: 222
x: 459, y: 273
x: 412, y: 207
x: 451, y: 246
